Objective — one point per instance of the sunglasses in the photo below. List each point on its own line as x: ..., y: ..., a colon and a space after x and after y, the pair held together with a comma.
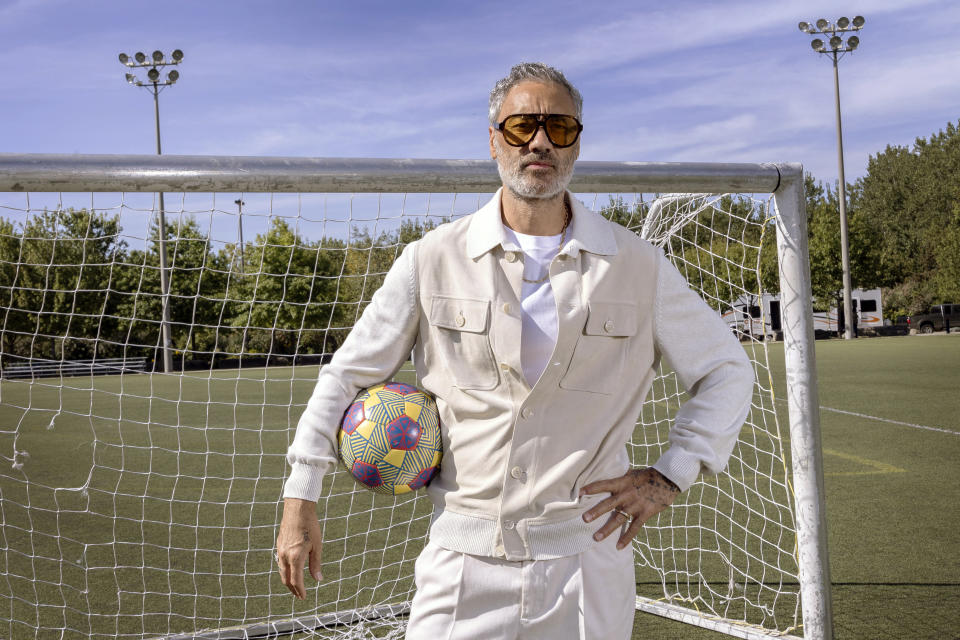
x: 519, y: 129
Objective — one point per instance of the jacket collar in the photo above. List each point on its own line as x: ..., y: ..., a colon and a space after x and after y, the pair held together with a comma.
x: 588, y: 231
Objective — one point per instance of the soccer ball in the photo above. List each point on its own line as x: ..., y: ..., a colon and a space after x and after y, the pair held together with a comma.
x: 390, y: 438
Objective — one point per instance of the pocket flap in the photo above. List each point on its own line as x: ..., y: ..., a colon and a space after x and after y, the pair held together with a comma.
x: 614, y: 319
x: 459, y: 314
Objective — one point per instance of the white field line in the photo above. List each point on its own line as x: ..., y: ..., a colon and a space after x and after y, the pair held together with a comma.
x: 887, y: 420
x: 904, y: 424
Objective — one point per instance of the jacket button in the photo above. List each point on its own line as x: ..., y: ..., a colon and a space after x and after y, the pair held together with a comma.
x: 504, y: 366
x: 460, y: 319
x: 516, y: 472
x: 527, y: 412
x: 506, y: 307
x: 511, y: 256
x: 608, y: 326
x: 499, y: 551
x: 508, y: 524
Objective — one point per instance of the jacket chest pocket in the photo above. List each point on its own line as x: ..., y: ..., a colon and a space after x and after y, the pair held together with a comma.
x: 601, y: 350
x: 461, y: 336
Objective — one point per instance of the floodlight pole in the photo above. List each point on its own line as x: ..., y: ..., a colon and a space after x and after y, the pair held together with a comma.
x: 849, y: 331
x: 164, y: 274
x: 154, y: 85
x: 835, y: 49
x: 239, y: 202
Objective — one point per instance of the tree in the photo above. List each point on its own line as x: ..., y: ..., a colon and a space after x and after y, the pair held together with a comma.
x: 910, y: 199
x: 58, y: 270
x: 197, y: 283
x: 287, y: 294
x: 721, y: 244
x: 826, y: 260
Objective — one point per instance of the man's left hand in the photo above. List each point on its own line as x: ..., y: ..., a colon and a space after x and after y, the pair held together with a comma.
x: 635, y: 497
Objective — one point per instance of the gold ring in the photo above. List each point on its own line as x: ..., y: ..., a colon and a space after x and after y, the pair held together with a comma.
x: 624, y: 514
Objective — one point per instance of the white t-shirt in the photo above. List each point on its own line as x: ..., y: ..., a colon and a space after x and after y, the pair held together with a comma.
x: 538, y: 336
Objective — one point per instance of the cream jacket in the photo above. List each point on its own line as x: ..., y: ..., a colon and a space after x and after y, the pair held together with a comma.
x: 515, y: 457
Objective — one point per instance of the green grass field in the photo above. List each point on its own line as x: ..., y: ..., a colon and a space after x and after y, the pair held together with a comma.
x: 893, y: 489
x: 201, y: 486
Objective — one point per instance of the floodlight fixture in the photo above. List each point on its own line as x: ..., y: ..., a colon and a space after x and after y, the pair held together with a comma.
x: 177, y: 55
x: 822, y: 24
x: 852, y: 43
x: 804, y: 26
x: 132, y: 79
x: 173, y: 76
x: 858, y: 22
x: 817, y: 44
x: 153, y: 74
x: 158, y: 56
x: 124, y: 58
x: 141, y: 58
x: 836, y: 42
x: 843, y: 22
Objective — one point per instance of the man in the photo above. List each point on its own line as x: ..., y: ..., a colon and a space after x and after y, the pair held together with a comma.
x: 537, y: 324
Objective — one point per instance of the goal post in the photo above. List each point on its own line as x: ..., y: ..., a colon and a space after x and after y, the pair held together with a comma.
x: 139, y: 501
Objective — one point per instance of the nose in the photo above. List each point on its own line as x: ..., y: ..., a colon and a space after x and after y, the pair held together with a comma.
x: 540, y: 141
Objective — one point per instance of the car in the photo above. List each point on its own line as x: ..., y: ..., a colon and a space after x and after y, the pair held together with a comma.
x: 938, y: 318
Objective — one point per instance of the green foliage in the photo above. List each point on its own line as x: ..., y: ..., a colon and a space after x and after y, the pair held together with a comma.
x: 910, y: 202
x: 286, y: 297
x: 52, y: 275
x: 720, y: 250
x: 74, y: 289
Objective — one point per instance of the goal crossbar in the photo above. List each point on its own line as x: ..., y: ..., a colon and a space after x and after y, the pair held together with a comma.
x: 64, y: 172
x: 28, y: 173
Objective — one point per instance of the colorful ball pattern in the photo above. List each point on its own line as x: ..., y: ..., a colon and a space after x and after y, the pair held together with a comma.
x: 390, y: 438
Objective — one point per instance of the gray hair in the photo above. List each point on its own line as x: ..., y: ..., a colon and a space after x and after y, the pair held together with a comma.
x: 538, y: 72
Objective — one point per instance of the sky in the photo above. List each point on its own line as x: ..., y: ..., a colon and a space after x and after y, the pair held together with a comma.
x: 732, y: 81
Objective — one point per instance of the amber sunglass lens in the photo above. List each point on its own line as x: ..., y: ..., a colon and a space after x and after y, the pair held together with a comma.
x: 519, y: 130
x: 562, y: 130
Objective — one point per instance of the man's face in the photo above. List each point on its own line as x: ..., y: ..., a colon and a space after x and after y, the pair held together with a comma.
x: 537, y: 169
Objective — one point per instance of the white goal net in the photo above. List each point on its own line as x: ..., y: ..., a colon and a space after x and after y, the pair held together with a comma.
x: 143, y: 431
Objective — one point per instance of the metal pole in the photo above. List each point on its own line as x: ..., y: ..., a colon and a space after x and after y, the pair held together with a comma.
x: 239, y: 203
x: 804, y: 408
x: 849, y: 320
x: 164, y: 280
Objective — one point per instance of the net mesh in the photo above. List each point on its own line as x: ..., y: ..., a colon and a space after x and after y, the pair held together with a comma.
x: 140, y: 502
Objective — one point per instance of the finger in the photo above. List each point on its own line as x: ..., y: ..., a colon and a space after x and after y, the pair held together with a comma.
x: 296, y: 582
x: 282, y: 569
x: 613, y: 523
x: 291, y: 572
x: 315, y: 563
x: 600, y: 486
x: 631, y: 532
x: 602, y: 507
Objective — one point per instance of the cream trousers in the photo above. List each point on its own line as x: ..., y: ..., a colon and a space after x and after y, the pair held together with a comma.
x: 589, y: 596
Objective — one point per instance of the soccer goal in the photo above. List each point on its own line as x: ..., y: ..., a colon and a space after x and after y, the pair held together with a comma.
x: 146, y: 404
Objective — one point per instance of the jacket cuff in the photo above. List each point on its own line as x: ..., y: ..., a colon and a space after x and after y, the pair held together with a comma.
x: 679, y: 467
x: 304, y: 482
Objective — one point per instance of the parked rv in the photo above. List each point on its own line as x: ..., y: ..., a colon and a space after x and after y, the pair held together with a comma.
x: 759, y: 315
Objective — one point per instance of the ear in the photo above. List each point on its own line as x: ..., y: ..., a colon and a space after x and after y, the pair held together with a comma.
x: 493, y: 149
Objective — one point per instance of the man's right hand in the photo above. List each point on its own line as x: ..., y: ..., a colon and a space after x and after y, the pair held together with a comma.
x: 298, y: 541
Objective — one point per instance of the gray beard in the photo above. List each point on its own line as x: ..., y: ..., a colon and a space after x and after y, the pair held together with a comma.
x: 513, y: 179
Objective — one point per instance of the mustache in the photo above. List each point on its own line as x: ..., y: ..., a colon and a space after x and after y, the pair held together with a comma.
x: 544, y: 157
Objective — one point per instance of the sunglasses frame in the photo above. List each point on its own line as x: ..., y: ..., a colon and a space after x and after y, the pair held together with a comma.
x: 541, y: 122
